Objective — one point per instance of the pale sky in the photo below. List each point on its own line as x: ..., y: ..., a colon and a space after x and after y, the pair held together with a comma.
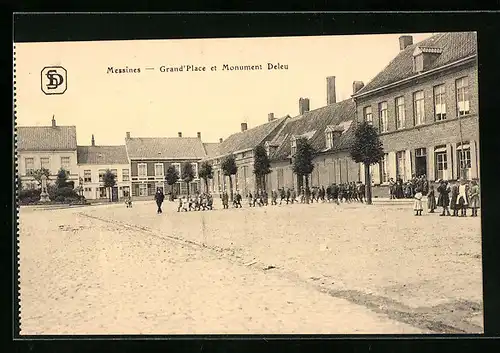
x: 153, y: 104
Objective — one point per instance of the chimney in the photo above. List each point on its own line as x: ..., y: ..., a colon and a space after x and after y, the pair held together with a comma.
x: 303, y: 105
x: 220, y: 140
x: 179, y: 134
x: 405, y: 41
x: 128, y: 134
x: 331, y: 96
x: 93, y: 140
x: 53, y: 121
x: 356, y: 86
x: 199, y: 135
x: 244, y: 127
x: 270, y: 117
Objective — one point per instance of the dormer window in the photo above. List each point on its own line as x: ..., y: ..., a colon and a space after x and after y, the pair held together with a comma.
x: 294, y: 146
x: 418, y: 63
x: 329, y: 139
x: 423, y: 57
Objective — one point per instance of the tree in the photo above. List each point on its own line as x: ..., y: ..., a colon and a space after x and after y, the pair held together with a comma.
x: 367, y: 149
x: 37, y: 175
x: 261, y: 165
x: 302, y: 161
x: 187, y: 174
x: 229, y: 168
x: 172, y: 177
x: 109, y: 180
x: 206, y: 173
x: 62, y: 178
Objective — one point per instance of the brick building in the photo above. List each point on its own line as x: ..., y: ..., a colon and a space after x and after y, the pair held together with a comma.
x: 150, y: 158
x: 329, y: 130
x: 241, y: 145
x: 93, y: 161
x: 424, y: 104
x: 49, y: 147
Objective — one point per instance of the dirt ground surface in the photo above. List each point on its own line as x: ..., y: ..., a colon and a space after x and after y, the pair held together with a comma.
x: 317, y: 268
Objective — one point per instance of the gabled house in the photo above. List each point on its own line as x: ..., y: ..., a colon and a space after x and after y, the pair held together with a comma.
x: 241, y: 145
x: 424, y: 104
x: 49, y: 147
x: 93, y: 161
x: 150, y: 158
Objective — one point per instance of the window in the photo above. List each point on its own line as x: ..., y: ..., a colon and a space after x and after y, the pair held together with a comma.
x: 418, y: 107
x: 103, y: 192
x: 159, y: 169
x: 29, y: 165
x: 400, y: 113
x: 101, y: 175
x: 125, y: 175
x: 382, y: 108
x: 464, y: 161
x: 195, y: 169
x: 439, y: 103
x: 418, y: 63
x: 87, y: 176
x: 400, y: 164
x: 126, y: 191
x: 384, y: 168
x: 142, y: 169
x: 177, y: 167
x: 143, y: 190
x: 441, y: 162
x: 294, y: 146
x: 367, y: 113
x: 45, y: 163
x: 329, y: 139
x: 65, y: 163
x: 114, y: 172
x: 462, y: 85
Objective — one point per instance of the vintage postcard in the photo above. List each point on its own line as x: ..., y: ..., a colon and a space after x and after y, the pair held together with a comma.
x: 282, y: 185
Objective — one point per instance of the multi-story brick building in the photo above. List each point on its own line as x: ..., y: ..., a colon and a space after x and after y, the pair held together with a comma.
x: 329, y: 130
x: 49, y: 147
x: 94, y: 161
x: 425, y: 106
x: 241, y: 145
x: 150, y: 158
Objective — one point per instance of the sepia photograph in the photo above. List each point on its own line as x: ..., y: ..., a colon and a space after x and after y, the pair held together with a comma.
x: 262, y: 185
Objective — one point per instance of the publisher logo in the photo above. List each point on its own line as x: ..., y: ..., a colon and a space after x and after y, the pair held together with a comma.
x: 54, y: 80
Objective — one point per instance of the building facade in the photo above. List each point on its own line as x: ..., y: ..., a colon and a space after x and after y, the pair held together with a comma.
x: 151, y: 157
x: 94, y: 161
x: 425, y: 107
x: 48, y: 147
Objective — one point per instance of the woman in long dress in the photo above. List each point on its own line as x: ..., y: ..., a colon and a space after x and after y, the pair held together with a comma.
x: 431, y: 199
x: 444, y: 198
x: 454, y: 199
x: 474, y: 198
x: 463, y: 198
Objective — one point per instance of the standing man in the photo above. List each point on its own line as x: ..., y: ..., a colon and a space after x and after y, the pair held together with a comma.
x: 159, y: 197
x: 361, y: 191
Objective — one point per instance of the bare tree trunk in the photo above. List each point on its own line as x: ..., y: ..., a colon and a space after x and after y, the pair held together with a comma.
x: 307, y: 191
x: 206, y: 185
x: 368, y: 184
x: 231, y: 187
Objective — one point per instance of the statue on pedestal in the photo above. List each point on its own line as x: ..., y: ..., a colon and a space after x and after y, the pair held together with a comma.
x: 44, y: 196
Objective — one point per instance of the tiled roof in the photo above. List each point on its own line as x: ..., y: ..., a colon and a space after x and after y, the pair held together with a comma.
x: 102, y: 155
x: 165, y: 147
x: 211, y: 149
x: 454, y: 46
x: 312, y: 124
x: 251, y: 138
x: 46, y: 138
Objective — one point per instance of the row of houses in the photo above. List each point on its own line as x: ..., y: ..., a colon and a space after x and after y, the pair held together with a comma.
x: 424, y: 104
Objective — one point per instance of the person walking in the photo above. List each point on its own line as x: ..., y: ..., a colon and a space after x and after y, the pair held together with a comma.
x: 417, y: 204
x: 443, y: 198
x: 225, y: 200
x: 159, y: 197
x: 474, y: 198
x: 361, y: 191
x: 431, y: 199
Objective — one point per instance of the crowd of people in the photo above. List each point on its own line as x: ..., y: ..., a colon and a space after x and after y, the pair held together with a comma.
x: 457, y: 196
x: 400, y: 189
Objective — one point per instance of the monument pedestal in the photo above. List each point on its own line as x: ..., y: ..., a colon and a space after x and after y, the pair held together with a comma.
x: 44, y: 196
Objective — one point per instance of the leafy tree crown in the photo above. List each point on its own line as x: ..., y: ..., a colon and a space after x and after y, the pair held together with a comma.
x: 172, y: 175
x: 109, y: 179
x: 367, y: 147
x: 302, y: 162
x: 229, y: 166
x: 62, y: 178
x: 206, y: 171
x: 187, y: 172
x: 261, y: 164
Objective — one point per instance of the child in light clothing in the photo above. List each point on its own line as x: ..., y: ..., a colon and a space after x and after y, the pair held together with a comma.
x: 417, y: 205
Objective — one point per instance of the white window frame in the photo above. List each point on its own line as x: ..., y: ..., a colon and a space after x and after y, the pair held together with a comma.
x: 125, y: 174
x: 400, y: 112
x: 382, y: 113
x: 329, y: 139
x: 384, y: 168
x: 462, y: 96
x: 143, y: 189
x: 144, y: 167
x: 48, y: 163
x: 443, y: 162
x: 401, y: 164
x: 418, y: 107
x: 293, y: 148
x: 101, y: 190
x: 439, y: 102
x: 177, y: 167
x: 69, y: 163
x: 87, y: 176
x: 194, y: 165
x: 467, y: 161
x: 162, y: 170
x: 29, y: 171
x: 101, y: 172
x: 368, y: 115
x: 418, y: 63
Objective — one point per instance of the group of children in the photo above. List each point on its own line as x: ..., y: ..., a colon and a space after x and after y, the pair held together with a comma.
x: 457, y: 196
x: 197, y: 202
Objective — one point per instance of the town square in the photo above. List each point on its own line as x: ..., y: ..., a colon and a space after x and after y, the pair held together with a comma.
x: 355, y: 209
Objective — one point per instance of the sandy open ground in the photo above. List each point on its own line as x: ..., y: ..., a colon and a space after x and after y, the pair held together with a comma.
x: 317, y: 268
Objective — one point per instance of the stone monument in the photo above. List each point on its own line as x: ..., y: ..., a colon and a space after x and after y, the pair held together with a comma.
x: 44, y: 196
